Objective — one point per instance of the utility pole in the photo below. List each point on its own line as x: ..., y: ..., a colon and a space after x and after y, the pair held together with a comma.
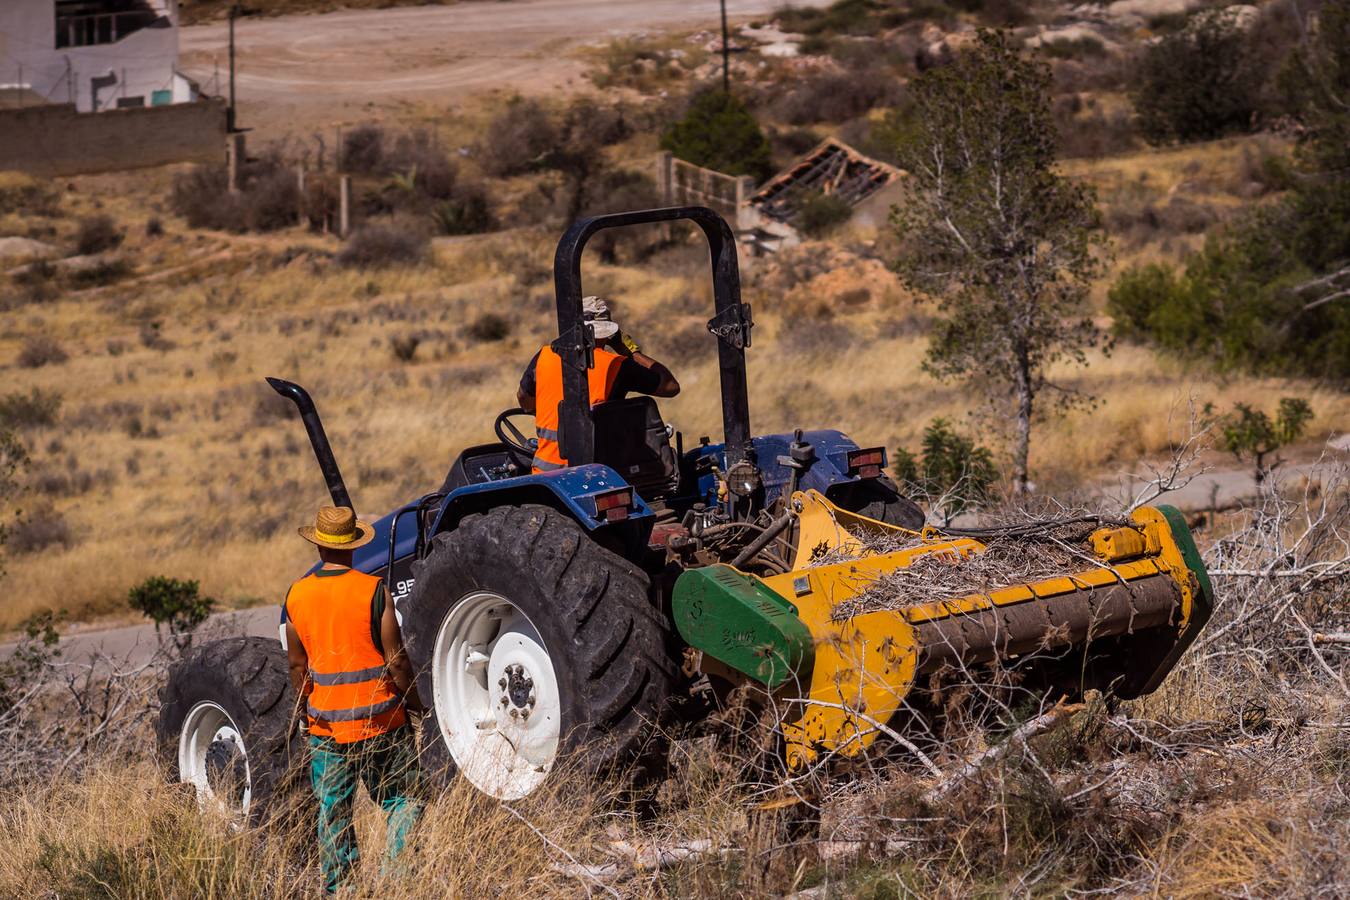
x: 229, y: 113
x: 726, y: 53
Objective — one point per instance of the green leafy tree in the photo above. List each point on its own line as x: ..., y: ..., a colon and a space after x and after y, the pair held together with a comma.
x: 951, y: 471
x: 989, y: 230
x: 1250, y: 434
x: 169, y: 602
x: 1198, y: 83
x: 718, y: 132
x: 1270, y: 292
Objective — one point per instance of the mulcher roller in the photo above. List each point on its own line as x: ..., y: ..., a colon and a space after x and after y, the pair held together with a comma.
x: 839, y: 663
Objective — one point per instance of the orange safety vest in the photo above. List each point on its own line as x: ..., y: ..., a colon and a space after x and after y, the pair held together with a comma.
x: 548, y: 395
x: 353, y: 695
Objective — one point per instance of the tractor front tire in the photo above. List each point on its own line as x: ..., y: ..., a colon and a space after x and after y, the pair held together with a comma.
x: 537, y: 651
x: 227, y: 726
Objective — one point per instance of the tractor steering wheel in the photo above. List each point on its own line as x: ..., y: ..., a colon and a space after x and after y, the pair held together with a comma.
x: 518, y: 447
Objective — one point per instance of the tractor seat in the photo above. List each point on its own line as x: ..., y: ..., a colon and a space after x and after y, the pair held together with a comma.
x: 631, y: 439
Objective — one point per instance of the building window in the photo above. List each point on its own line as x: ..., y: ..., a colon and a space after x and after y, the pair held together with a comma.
x: 84, y: 23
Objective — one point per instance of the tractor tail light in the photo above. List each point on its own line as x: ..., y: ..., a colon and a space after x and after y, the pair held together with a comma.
x: 613, y: 506
x: 867, y: 463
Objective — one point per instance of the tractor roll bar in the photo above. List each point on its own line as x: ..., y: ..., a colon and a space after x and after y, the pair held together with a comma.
x: 317, y: 438
x: 575, y: 345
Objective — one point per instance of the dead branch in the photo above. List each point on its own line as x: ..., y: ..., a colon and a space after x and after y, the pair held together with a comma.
x: 1047, y: 721
x: 879, y: 726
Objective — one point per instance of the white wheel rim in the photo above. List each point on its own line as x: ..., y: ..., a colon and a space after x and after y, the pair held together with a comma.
x: 496, y: 696
x: 206, y: 724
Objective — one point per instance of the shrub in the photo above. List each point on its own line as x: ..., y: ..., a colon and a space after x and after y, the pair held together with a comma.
x: 404, y: 347
x: 951, y: 470
x: 173, y: 603
x: 420, y: 167
x: 1249, y: 433
x: 271, y: 200
x: 1198, y: 83
x: 490, y: 327
x: 39, y: 530
x: 152, y: 337
x: 818, y: 214
x: 517, y: 138
x: 38, y: 280
x: 102, y: 273
x: 363, y: 150
x: 837, y: 96
x: 40, y: 350
x: 154, y: 227
x: 1094, y: 133
x: 268, y: 196
x: 379, y: 244
x: 97, y: 234
x: 26, y: 194
x: 467, y: 211
x: 201, y: 196
x: 34, y: 409
x: 718, y: 132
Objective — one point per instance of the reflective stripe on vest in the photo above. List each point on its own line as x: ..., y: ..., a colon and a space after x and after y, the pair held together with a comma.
x: 548, y: 395
x: 352, y: 695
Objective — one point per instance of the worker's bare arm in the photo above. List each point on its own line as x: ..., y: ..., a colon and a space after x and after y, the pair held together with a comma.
x: 669, y: 387
x: 525, y: 401
x: 394, y: 656
x: 298, y: 661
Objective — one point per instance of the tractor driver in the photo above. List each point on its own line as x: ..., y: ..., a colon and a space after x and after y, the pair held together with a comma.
x: 620, y: 368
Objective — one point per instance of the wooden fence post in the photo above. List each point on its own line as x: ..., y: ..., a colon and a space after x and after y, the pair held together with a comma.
x: 344, y: 205
x: 234, y: 157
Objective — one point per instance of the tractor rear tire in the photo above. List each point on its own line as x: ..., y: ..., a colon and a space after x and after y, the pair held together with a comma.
x: 226, y: 724
x: 520, y: 600
x: 878, y: 498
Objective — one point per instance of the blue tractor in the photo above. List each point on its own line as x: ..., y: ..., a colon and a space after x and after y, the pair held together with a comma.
x: 536, y: 607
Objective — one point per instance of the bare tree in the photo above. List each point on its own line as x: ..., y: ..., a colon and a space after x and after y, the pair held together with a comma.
x: 1004, y: 245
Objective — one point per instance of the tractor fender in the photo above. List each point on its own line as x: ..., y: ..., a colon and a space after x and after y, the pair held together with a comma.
x: 571, y: 491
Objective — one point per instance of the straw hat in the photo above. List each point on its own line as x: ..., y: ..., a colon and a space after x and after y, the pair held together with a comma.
x: 595, y: 311
x: 337, y: 528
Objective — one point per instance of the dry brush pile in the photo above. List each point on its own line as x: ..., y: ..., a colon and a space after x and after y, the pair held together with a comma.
x: 1230, y: 780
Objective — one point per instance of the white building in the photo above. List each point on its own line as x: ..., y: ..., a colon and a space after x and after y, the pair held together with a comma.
x: 97, y: 54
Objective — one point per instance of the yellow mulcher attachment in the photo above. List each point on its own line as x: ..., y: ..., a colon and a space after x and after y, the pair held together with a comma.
x: 841, y: 651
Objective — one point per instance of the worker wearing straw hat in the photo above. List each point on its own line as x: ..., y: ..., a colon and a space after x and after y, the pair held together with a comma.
x: 347, y: 662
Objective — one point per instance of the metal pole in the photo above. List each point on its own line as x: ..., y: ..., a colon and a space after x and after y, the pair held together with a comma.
x: 726, y: 53
x: 229, y: 112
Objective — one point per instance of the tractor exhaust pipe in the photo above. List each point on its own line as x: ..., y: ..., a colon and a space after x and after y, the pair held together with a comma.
x: 337, y: 488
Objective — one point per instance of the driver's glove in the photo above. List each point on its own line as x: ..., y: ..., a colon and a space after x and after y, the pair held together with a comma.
x: 627, y: 340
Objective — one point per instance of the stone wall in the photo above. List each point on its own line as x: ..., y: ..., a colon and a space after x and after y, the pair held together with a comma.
x: 57, y: 140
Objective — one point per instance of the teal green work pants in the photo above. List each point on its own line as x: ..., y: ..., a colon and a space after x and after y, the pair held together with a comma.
x: 387, y: 766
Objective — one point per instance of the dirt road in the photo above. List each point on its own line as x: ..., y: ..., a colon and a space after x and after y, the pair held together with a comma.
x: 297, y: 72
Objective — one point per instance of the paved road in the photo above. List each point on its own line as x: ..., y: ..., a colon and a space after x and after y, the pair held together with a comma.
x: 137, y: 643
x: 1222, y: 488
x: 296, y: 72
